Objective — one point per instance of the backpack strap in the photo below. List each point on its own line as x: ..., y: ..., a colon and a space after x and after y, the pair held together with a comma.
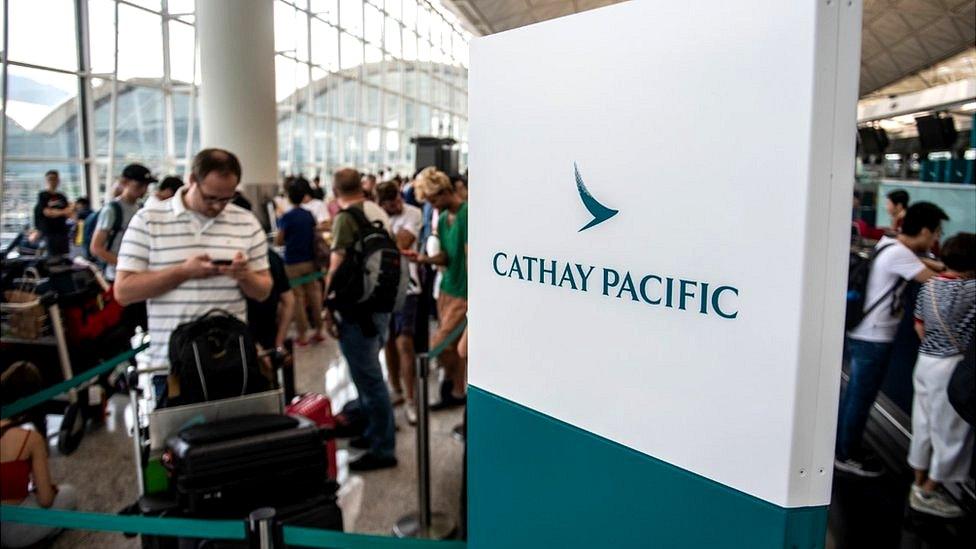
x: 116, y: 223
x: 942, y: 324
x: 891, y: 290
x: 359, y: 214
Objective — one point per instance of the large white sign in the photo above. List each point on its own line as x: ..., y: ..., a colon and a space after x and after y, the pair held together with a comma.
x: 701, y: 323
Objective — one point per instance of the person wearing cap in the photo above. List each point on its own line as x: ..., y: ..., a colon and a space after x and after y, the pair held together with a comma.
x: 114, y: 217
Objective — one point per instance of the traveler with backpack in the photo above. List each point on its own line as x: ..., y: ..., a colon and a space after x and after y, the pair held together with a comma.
x: 874, y: 311
x: 945, y: 319
x: 114, y: 217
x: 194, y: 254
x: 359, y: 309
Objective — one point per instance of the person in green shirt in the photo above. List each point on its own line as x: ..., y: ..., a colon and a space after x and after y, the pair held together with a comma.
x: 452, y: 304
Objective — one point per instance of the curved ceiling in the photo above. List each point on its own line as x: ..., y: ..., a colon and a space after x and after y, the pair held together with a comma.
x: 900, y: 38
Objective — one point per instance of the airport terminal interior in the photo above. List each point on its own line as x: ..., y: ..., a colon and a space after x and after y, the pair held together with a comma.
x: 235, y: 270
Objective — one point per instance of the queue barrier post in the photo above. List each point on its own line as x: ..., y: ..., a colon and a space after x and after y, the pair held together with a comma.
x: 424, y: 523
x: 263, y: 529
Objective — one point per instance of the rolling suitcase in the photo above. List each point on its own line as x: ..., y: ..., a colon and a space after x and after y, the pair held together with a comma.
x: 228, y: 468
x: 318, y: 408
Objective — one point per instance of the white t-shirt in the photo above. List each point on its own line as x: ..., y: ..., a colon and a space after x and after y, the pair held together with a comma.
x: 318, y: 209
x: 411, y: 219
x: 375, y: 213
x: 893, y: 264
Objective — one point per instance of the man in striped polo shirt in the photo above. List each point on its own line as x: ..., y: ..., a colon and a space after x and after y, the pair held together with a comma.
x: 193, y: 253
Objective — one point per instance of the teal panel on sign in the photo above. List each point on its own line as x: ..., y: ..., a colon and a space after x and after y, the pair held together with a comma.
x: 535, y: 481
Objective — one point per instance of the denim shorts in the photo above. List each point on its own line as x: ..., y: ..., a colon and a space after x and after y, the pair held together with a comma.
x: 405, y: 320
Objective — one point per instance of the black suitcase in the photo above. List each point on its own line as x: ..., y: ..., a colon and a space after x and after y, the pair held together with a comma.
x: 228, y: 468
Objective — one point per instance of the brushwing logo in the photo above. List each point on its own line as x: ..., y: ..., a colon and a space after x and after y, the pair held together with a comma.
x: 599, y: 212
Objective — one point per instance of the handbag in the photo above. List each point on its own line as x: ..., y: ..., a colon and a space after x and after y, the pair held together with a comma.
x: 23, y: 314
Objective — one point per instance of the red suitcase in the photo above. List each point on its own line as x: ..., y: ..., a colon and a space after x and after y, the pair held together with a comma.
x: 317, y: 408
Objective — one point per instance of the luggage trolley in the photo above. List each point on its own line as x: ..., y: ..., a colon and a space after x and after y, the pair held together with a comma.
x: 152, y: 427
x: 162, y: 488
x: 29, y: 327
x: 48, y: 331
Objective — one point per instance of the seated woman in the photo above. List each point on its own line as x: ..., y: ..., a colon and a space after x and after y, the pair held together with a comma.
x: 23, y: 462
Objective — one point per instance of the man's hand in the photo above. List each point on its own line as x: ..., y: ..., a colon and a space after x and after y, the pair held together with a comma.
x: 237, y: 268
x: 331, y: 325
x: 412, y: 255
x: 198, y: 266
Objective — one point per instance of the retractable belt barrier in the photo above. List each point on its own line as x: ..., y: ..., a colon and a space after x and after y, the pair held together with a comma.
x: 207, y: 529
x: 202, y: 528
x: 450, y: 339
x: 41, y: 397
x: 27, y: 403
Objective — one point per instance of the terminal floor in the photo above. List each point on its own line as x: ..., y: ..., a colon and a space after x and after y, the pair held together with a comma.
x: 103, y: 471
x: 873, y: 513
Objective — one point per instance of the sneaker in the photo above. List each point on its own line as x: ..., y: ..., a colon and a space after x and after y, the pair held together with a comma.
x: 372, y: 462
x: 933, y: 503
x: 410, y: 410
x: 450, y: 401
x: 864, y: 469
x: 396, y: 397
x: 359, y: 443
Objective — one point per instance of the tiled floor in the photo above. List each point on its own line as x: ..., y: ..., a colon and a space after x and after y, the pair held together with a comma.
x: 103, y: 470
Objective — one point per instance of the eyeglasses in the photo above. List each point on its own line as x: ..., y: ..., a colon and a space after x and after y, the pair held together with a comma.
x: 214, y: 200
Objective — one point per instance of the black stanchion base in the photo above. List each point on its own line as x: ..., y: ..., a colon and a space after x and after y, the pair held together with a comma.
x: 441, y: 527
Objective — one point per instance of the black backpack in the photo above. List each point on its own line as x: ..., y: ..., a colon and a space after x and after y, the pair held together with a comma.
x: 214, y: 357
x: 373, y: 277
x: 859, y: 270
x: 91, y: 222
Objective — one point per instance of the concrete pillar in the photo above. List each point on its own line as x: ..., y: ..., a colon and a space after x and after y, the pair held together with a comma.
x: 237, y: 90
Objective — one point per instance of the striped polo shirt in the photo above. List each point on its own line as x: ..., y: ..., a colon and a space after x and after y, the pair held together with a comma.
x: 166, y: 234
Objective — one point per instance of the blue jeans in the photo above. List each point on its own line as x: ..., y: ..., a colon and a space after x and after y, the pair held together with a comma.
x: 362, y: 354
x: 868, y: 364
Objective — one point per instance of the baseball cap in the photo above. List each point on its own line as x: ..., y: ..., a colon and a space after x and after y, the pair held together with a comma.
x: 138, y: 172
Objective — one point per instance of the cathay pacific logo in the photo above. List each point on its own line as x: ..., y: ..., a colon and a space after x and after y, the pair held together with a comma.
x: 599, y: 212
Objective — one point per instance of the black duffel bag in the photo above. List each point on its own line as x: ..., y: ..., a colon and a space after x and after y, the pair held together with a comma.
x: 214, y: 357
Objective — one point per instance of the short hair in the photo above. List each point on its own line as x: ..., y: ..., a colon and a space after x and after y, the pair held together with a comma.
x: 170, y: 183
x: 922, y: 215
x: 52, y: 172
x: 83, y: 200
x: 20, y: 380
x: 959, y: 252
x: 431, y: 182
x: 296, y: 193
x: 387, y: 191
x: 216, y: 160
x: 347, y: 181
x: 371, y: 177
x: 899, y: 197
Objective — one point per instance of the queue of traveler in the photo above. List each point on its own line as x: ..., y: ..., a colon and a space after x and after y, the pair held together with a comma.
x: 192, y: 248
x: 944, y: 316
